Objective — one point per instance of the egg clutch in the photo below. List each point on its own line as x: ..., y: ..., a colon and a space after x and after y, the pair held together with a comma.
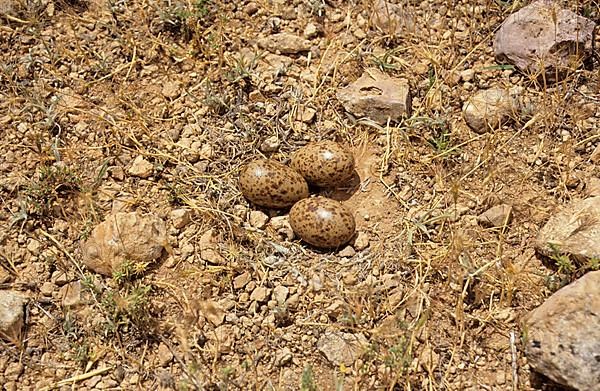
x: 319, y: 221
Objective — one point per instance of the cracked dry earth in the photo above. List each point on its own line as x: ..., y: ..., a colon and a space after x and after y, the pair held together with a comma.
x: 154, y: 105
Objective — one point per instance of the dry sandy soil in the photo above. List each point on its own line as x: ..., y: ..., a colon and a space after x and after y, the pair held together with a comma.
x: 88, y: 86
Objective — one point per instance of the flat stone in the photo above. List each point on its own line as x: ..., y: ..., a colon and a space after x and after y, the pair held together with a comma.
x: 59, y: 277
x: 574, y: 231
x: 124, y: 237
x: 347, y: 252
x: 305, y: 114
x: 47, y: 288
x: 12, y: 316
x: 489, y: 109
x: 311, y: 30
x: 34, y: 247
x: 241, y: 281
x: 270, y: 144
x: 563, y: 335
x: 342, y: 348
x: 496, y: 216
x: 284, y: 43
x: 544, y: 39
x: 251, y: 8
x: 377, y: 96
x: 140, y: 167
x: 283, y: 357
x: 260, y: 294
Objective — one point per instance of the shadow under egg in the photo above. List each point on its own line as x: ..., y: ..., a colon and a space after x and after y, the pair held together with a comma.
x: 344, y: 192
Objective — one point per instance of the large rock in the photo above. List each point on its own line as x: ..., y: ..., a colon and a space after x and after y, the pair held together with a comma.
x: 377, y: 96
x: 124, y: 237
x: 12, y: 316
x: 543, y: 38
x: 574, y: 231
x: 489, y: 109
x: 563, y: 335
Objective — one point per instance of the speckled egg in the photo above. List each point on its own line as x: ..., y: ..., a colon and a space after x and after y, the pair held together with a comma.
x: 270, y: 184
x: 322, y: 222
x: 324, y: 164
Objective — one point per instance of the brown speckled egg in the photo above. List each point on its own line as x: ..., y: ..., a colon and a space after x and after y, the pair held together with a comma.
x: 324, y: 164
x: 270, y: 184
x: 322, y: 222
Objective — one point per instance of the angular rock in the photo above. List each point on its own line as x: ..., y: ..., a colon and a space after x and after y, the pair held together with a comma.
x: 180, y: 217
x: 496, y: 216
x: 12, y: 316
x: 124, y: 237
x: 347, y: 252
x: 377, y: 96
x: 71, y: 295
x: 284, y: 43
x: 241, y: 281
x: 563, y: 335
x: 362, y: 241
x: 280, y: 294
x: 305, y: 114
x: 209, y: 249
x: 164, y: 355
x: 260, y: 294
x: 212, y: 311
x: 542, y: 38
x: 258, y: 219
x: 283, y: 357
x: 140, y: 167
x: 574, y: 231
x: 391, y: 18
x: 341, y: 347
x: 489, y: 109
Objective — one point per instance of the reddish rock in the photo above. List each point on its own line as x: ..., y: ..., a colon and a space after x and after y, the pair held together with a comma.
x: 543, y: 38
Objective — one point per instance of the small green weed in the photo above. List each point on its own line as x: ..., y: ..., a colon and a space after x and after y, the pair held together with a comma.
x: 128, y: 271
x: 387, y: 61
x: 45, y: 192
x: 308, y: 379
x: 126, y: 309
